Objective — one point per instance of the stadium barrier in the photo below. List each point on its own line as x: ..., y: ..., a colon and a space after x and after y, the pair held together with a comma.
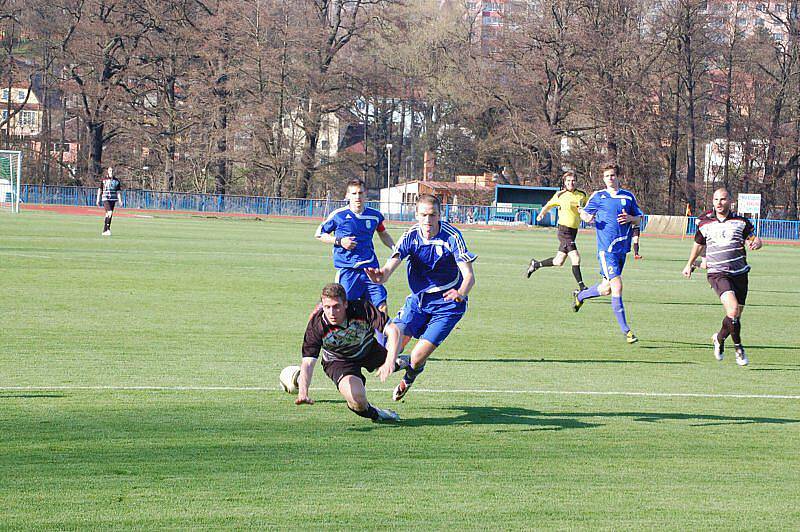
x: 319, y: 208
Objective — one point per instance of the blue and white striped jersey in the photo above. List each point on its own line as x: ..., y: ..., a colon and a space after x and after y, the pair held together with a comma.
x: 344, y: 222
x: 606, y: 205
x: 432, y: 264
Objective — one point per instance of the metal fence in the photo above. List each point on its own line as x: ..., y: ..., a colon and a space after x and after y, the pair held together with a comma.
x: 319, y: 208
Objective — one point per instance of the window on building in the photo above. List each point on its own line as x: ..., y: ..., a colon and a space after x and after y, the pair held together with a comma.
x: 5, y: 114
x: 28, y: 118
x: 761, y: 7
x: 21, y: 96
x: 779, y: 8
x: 777, y: 37
x: 759, y: 22
x: 324, y: 144
x: 5, y: 95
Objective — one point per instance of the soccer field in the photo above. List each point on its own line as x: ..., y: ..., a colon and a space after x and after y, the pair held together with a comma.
x: 139, y: 389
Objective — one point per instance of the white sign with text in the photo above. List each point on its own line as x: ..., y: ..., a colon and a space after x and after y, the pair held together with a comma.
x: 749, y: 204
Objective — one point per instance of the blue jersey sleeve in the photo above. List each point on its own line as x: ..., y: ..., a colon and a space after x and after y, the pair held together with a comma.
x: 403, y: 248
x: 593, y: 205
x: 459, y: 247
x: 328, y: 226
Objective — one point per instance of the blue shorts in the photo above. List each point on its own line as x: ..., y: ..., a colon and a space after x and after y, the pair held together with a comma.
x: 429, y: 317
x: 358, y: 286
x: 611, y: 264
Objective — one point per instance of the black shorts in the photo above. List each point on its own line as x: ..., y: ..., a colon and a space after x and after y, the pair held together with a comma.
x: 338, y: 369
x: 109, y: 205
x: 636, y: 230
x: 566, y: 238
x: 722, y: 282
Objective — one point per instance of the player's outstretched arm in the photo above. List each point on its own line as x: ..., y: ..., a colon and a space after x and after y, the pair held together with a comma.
x: 387, y: 239
x: 393, y: 345
x: 545, y: 210
x: 381, y: 275
x: 586, y: 217
x: 697, y: 249
x: 304, y: 381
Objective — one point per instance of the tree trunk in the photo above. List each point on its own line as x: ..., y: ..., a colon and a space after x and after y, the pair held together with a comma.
x: 96, y: 141
x: 308, y: 158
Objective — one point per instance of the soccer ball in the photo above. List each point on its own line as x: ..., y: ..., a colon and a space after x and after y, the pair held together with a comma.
x: 289, y: 377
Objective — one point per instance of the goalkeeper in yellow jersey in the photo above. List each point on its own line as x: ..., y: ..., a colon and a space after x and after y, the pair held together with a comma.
x: 568, y: 201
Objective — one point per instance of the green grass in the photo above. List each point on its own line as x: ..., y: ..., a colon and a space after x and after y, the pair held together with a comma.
x: 198, y: 303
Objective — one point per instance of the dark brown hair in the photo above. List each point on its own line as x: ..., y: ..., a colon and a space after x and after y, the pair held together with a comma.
x: 356, y: 183
x: 334, y: 291
x: 610, y: 165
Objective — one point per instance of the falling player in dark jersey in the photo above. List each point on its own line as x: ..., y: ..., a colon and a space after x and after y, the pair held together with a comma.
x: 724, y: 234
x: 344, y: 333
x: 108, y: 193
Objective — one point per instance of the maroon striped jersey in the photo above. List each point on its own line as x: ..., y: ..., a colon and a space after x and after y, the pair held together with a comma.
x: 724, y: 241
x: 348, y: 341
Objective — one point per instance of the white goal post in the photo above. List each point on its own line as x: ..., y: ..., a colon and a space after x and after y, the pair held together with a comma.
x: 10, y: 178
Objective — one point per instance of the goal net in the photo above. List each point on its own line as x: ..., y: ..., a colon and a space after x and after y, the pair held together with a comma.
x: 10, y: 176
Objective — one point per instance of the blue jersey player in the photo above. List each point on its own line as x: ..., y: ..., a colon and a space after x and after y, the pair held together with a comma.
x: 440, y: 276
x: 350, y: 230
x: 614, y: 212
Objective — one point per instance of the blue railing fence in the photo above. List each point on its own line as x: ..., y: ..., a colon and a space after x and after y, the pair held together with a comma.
x: 319, y: 208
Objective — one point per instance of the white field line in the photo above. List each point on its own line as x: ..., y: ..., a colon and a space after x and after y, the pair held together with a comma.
x: 26, y: 255
x: 416, y: 390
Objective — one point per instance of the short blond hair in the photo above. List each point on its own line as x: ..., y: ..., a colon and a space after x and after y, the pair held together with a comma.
x: 430, y: 199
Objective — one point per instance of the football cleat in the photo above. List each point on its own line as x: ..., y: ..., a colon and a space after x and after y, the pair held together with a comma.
x: 400, y: 391
x: 386, y: 416
x: 107, y: 232
x: 631, y: 338
x: 576, y: 303
x: 637, y: 257
x: 719, y: 347
x: 534, y: 265
x: 741, y: 357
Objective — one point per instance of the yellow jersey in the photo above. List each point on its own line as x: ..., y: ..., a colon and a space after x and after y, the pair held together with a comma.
x: 568, y: 204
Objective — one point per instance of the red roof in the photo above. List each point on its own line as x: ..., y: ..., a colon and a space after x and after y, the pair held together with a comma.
x: 452, y: 185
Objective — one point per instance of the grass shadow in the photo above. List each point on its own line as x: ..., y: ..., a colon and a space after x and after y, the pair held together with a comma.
x: 491, y: 415
x: 538, y: 420
x: 31, y: 395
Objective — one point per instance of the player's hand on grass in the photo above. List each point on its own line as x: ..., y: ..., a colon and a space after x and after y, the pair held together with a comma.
x: 348, y: 243
x: 303, y: 400
x: 453, y: 295
x: 376, y: 275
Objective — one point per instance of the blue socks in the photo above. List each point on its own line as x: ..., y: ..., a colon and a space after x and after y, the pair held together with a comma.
x: 619, y: 312
x: 412, y: 373
x: 588, y: 293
